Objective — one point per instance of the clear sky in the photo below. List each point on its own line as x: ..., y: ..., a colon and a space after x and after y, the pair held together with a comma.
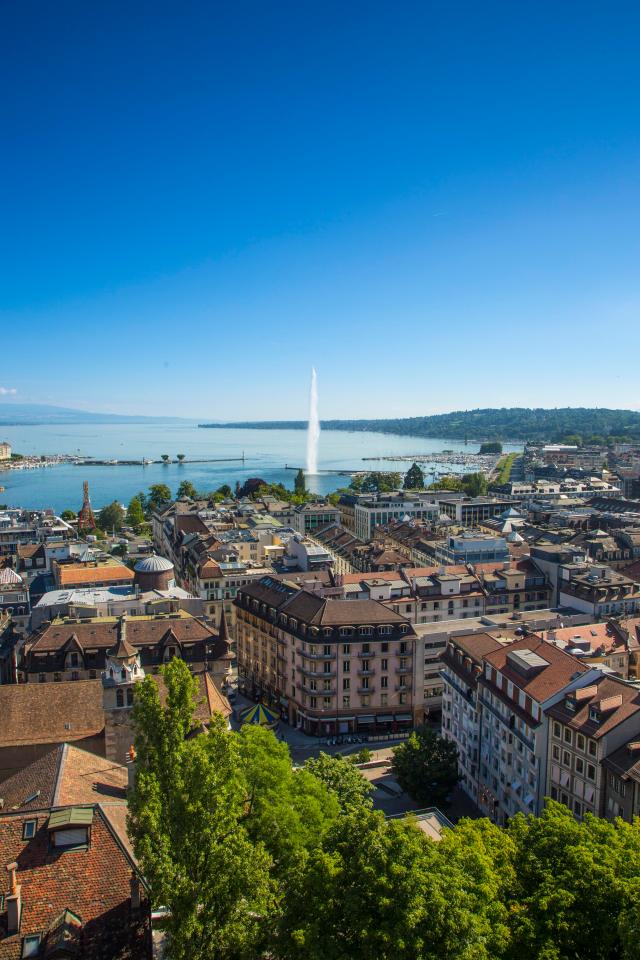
x: 436, y: 204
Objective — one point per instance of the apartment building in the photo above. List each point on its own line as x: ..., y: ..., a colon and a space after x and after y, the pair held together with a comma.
x: 329, y: 666
x: 585, y: 726
x: 622, y: 781
x: 383, y: 508
x: 462, y: 667
x: 309, y: 517
x: 519, y: 683
x: 471, y: 546
x: 599, y: 591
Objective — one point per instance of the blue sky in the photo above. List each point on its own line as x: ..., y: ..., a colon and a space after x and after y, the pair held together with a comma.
x: 437, y: 205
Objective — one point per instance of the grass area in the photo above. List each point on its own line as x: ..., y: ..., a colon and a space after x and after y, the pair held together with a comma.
x: 504, y: 467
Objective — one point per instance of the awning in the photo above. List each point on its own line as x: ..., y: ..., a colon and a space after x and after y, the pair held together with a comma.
x: 387, y: 718
x: 366, y: 719
x: 71, y: 817
x: 402, y: 717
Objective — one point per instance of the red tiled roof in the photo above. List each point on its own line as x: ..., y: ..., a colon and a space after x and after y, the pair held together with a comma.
x: 542, y: 683
x: 94, y: 883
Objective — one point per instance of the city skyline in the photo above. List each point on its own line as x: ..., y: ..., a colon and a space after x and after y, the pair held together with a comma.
x: 451, y: 195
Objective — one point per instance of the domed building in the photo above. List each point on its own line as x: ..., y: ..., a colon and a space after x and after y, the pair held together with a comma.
x: 154, y: 573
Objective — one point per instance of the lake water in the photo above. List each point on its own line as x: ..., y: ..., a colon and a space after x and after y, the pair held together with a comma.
x: 266, y: 454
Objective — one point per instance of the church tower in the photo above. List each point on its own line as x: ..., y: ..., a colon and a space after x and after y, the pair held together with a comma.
x: 122, y: 671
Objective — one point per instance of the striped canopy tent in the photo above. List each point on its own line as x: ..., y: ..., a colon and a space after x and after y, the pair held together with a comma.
x: 259, y: 714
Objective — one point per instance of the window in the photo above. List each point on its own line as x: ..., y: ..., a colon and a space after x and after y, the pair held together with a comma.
x: 346, y: 701
x: 402, y: 698
x: 327, y: 650
x: 567, y: 735
x: 346, y: 666
x: 384, y: 664
x: 593, y: 748
x: 384, y: 682
x: 566, y: 758
x: 556, y: 752
x: 556, y: 730
x: 591, y: 771
x: 346, y: 649
x: 579, y: 741
x: 384, y: 647
x: 119, y: 698
x: 130, y: 696
x: 29, y: 829
x: 74, y: 837
x: 384, y: 699
x: 31, y: 946
x: 57, y: 677
x: 42, y: 678
x: 579, y: 765
x: 75, y: 675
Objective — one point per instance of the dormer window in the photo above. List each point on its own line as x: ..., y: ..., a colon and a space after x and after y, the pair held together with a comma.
x: 346, y: 631
x: 594, y: 714
x: 31, y: 945
x: 384, y: 630
x: 29, y: 829
x: 70, y: 829
x: 570, y: 704
x: 365, y: 631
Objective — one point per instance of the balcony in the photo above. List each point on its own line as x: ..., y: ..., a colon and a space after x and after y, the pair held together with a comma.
x: 366, y: 673
x: 317, y: 674
x: 400, y: 687
x: 316, y: 656
x: 366, y: 656
x: 404, y: 670
x: 315, y: 693
x: 363, y: 691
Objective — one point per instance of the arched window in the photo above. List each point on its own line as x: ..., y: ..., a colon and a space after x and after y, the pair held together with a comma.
x: 120, y: 698
x: 129, y: 696
x: 123, y: 673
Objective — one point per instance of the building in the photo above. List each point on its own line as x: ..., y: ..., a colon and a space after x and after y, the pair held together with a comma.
x: 78, y: 649
x: 309, y: 517
x: 330, y: 666
x: 471, y: 546
x: 380, y: 509
x: 90, y: 571
x: 622, y: 781
x: 70, y: 888
x: 602, y: 645
x: 519, y: 683
x: 14, y: 597
x: 462, y: 666
x: 585, y: 726
x: 5, y: 451
x: 472, y: 511
x: 599, y: 591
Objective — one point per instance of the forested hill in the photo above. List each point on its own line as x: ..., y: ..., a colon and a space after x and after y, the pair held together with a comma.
x: 507, y: 423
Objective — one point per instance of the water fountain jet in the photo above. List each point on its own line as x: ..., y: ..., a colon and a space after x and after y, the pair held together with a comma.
x: 313, y: 430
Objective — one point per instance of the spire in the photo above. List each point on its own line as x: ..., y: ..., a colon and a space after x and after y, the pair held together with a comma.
x: 86, y: 519
x: 223, y: 629
x: 123, y: 650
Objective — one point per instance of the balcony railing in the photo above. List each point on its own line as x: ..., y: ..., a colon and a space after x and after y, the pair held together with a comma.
x: 315, y: 656
x: 366, y: 673
x: 366, y: 690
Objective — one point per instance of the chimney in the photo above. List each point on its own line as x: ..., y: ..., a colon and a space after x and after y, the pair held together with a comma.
x: 14, y: 901
x: 135, y: 892
x: 131, y: 768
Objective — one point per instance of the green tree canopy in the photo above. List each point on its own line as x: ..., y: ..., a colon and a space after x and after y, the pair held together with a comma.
x: 135, y: 513
x: 300, y: 484
x: 376, y: 482
x: 490, y: 446
x: 186, y: 491
x: 68, y: 515
x: 111, y: 517
x: 159, y: 493
x: 426, y: 767
x: 343, y: 779
x: 186, y: 821
x: 474, y: 484
x: 414, y: 478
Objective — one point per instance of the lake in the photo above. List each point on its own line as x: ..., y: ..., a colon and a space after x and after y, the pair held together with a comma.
x: 266, y: 453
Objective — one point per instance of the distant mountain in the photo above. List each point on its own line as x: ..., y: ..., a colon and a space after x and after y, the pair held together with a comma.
x: 506, y: 423
x: 36, y: 414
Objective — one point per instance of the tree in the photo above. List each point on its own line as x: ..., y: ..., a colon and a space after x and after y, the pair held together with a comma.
x: 165, y: 458
x: 414, y: 478
x: 135, y: 514
x: 186, y: 491
x: 447, y: 483
x: 490, y: 446
x: 343, y: 779
x: 225, y: 491
x: 111, y: 517
x: 474, y: 484
x: 159, y: 493
x: 376, y: 482
x: 300, y: 484
x: 68, y: 515
x: 187, y: 816
x: 180, y: 457
x: 251, y: 487
x: 426, y: 767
